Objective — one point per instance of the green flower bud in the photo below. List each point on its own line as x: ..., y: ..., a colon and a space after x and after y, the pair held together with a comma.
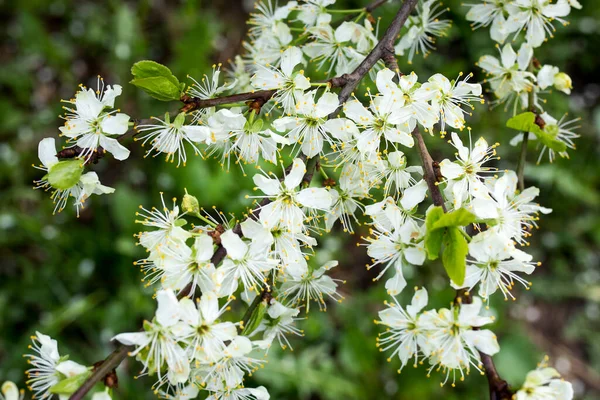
x: 563, y: 82
x: 65, y: 174
x: 179, y: 120
x: 190, y: 204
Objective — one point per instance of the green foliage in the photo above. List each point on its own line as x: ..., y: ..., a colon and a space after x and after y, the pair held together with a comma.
x: 69, y: 385
x: 445, y: 229
x: 65, y: 174
x: 525, y: 122
x: 256, y: 318
x: 455, y: 253
x: 156, y: 80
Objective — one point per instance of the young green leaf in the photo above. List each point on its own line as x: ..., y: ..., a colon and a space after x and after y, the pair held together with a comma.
x: 522, y: 122
x: 69, y: 385
x: 455, y: 254
x: 460, y: 217
x: 156, y: 80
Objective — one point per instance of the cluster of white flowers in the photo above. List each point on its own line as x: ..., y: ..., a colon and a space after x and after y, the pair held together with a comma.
x: 90, y: 121
x: 51, y: 374
x: 544, y: 383
x: 450, y: 339
x: 519, y: 79
x: 265, y: 259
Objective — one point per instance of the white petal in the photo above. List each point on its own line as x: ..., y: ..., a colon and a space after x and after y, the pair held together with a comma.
x: 235, y: 246
x: 167, y: 313
x: 318, y: 198
x: 113, y: 146
x: 47, y: 152
x: 116, y: 124
x: 294, y: 178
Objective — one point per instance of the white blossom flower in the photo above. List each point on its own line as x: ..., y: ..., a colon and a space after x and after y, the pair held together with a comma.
x: 311, y: 286
x: 239, y: 73
x: 382, y: 120
x: 544, y: 383
x: 396, y: 248
x: 509, y: 76
x: 245, y: 262
x: 493, y: 12
x: 284, y: 210
x: 90, y: 124
x: 404, y: 334
x: 65, y: 179
x: 228, y: 372
x: 509, y: 214
x: 170, y: 138
x: 177, y: 266
x: 550, y: 75
x: 536, y: 16
x: 314, y: 12
x: 455, y: 342
x: 495, y: 266
x: 423, y: 28
x: 397, y: 175
x: 268, y: 48
x: 344, y: 198
x: 267, y: 16
x: 561, y: 130
x: 464, y: 174
x: 331, y: 48
x: 451, y: 97
x: 47, y: 366
x: 416, y: 103
x: 278, y: 322
x: 167, y: 221
x: 290, y: 85
x: 208, y: 88
x: 242, y: 393
x: 307, y: 127
x: 249, y: 141
x: 159, y: 343
x: 207, y: 337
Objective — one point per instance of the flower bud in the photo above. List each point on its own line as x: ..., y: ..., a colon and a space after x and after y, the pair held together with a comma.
x: 10, y: 391
x: 190, y: 204
x: 65, y: 174
x: 563, y: 82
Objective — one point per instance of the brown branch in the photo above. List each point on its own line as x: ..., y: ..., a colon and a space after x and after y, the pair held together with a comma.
x: 347, y: 83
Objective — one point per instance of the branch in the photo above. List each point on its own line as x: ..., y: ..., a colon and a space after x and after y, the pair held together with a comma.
x: 347, y: 82
x: 499, y: 389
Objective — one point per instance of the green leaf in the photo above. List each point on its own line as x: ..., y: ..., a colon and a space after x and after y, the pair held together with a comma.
x: 433, y: 238
x: 156, y: 80
x: 455, y: 254
x: 433, y: 243
x: 65, y: 174
x: 460, y: 217
x: 525, y: 122
x: 69, y: 385
x: 548, y: 138
x: 522, y: 122
x: 256, y: 318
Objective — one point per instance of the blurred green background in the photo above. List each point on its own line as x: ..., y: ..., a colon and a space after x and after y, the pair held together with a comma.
x: 73, y: 278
